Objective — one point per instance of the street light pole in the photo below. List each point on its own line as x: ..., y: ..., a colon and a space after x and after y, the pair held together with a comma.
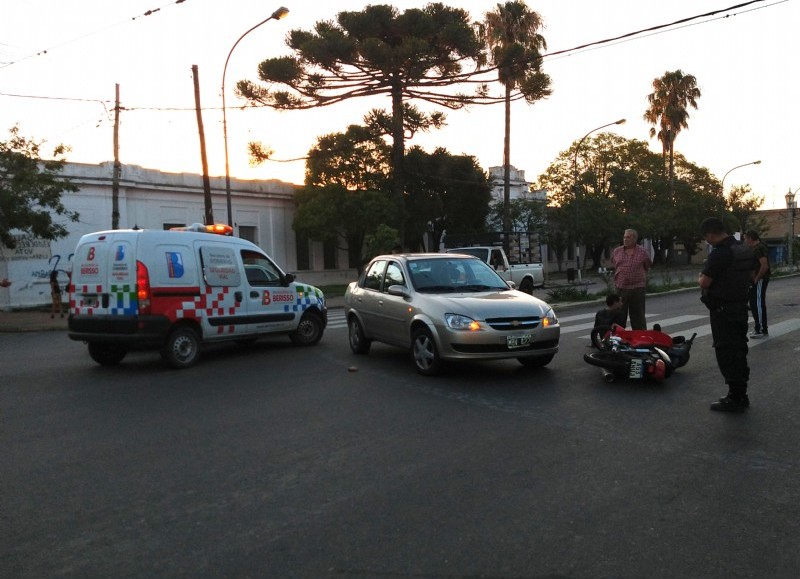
x: 277, y: 15
x: 737, y: 167
x: 791, y: 205
x: 576, y: 191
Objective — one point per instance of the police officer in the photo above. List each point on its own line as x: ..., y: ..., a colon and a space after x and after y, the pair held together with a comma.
x: 725, y: 282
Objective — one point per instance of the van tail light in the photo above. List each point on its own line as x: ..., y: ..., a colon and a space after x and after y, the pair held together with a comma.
x: 143, y: 288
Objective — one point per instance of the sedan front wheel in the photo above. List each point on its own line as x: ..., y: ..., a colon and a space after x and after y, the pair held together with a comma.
x: 424, y: 353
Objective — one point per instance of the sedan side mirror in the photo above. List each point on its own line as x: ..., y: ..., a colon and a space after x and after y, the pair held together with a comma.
x: 398, y: 290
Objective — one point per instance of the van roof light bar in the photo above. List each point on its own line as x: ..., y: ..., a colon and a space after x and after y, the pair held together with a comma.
x: 215, y: 228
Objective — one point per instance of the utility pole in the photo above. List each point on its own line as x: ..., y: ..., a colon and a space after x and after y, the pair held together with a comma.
x: 209, y: 217
x: 116, y: 172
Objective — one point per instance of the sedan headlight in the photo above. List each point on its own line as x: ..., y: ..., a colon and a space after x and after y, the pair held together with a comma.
x: 459, y: 322
x: 549, y: 318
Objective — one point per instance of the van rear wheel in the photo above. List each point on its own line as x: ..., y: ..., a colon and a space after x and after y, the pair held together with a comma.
x: 182, y: 348
x: 107, y: 354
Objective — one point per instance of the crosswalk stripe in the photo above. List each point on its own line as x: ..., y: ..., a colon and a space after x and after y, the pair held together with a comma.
x: 664, y: 323
x: 337, y: 320
x: 679, y: 320
x: 563, y: 319
x: 778, y: 330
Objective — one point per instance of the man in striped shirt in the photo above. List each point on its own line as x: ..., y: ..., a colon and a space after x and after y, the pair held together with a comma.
x: 631, y: 264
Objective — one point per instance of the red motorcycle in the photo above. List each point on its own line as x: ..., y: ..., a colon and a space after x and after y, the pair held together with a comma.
x: 637, y: 354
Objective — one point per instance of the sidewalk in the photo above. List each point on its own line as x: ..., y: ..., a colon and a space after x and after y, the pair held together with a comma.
x: 32, y: 320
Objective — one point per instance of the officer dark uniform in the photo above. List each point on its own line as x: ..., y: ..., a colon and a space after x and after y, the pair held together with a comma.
x: 725, y: 280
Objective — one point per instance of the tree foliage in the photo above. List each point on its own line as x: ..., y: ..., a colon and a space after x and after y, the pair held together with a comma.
x: 344, y: 198
x: 30, y: 190
x: 383, y: 240
x: 743, y: 207
x: 357, y: 159
x: 445, y: 193
x: 673, y: 93
x: 418, y: 54
x: 525, y: 215
x: 512, y: 34
x: 621, y: 185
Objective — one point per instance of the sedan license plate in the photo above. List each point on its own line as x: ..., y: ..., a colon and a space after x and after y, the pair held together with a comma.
x: 518, y: 341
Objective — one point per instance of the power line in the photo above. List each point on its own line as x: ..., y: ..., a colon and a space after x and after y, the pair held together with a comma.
x: 65, y: 43
x: 656, y: 29
x: 127, y: 109
x: 52, y: 98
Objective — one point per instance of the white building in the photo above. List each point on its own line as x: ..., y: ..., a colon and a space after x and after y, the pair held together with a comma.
x: 262, y: 213
x: 519, y: 187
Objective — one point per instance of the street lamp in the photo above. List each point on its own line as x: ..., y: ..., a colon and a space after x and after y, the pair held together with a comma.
x: 791, y: 205
x: 277, y: 15
x: 737, y: 167
x: 575, y: 189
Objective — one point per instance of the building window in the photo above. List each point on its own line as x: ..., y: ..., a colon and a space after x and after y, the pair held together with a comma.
x: 301, y: 242
x: 329, y: 255
x: 248, y: 233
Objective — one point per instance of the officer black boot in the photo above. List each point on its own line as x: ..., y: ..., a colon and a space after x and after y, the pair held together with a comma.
x: 736, y: 400
x: 745, y: 400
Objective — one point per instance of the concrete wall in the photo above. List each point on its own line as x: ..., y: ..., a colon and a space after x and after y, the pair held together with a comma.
x: 150, y: 199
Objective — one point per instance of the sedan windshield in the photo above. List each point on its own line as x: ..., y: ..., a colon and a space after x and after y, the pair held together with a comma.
x: 449, y: 275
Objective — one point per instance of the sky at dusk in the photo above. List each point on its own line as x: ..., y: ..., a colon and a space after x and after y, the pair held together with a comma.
x: 60, y: 61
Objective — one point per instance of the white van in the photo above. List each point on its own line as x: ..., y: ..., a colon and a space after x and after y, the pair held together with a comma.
x: 175, y: 290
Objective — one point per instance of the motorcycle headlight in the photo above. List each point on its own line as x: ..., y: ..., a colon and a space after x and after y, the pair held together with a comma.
x: 459, y: 322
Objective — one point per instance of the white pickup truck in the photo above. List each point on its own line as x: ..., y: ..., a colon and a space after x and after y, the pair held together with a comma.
x: 525, y: 276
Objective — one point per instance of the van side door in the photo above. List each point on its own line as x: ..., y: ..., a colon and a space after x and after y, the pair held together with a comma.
x: 222, y: 292
x: 269, y: 299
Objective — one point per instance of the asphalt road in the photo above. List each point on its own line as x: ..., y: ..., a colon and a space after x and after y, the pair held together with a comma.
x: 275, y: 461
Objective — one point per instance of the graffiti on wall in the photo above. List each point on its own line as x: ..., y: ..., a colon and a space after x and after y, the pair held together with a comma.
x: 28, y: 247
x: 29, y: 266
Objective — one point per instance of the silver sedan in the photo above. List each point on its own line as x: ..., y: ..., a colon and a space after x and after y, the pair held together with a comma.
x: 447, y: 307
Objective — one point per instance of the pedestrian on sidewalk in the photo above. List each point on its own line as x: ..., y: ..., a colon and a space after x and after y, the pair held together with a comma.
x: 631, y: 264
x: 758, y: 291
x: 55, y: 295
x: 725, y: 283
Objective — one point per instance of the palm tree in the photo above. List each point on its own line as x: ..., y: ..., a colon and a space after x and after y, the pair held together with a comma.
x: 672, y: 94
x: 512, y: 35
